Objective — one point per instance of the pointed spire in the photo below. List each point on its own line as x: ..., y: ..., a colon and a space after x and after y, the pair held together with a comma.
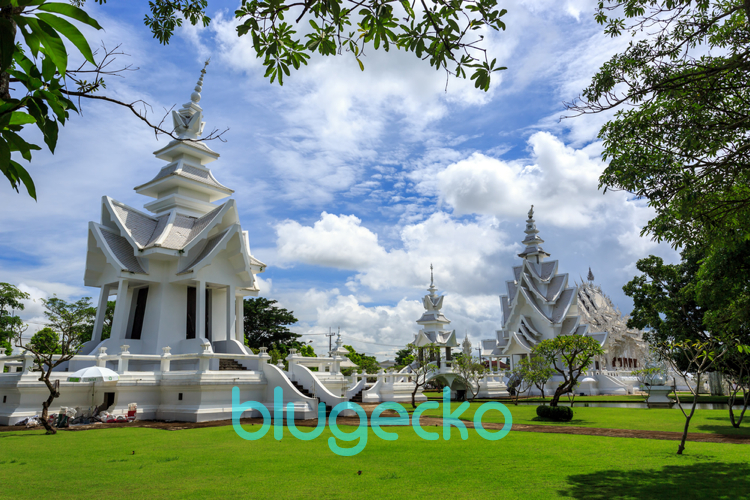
x: 532, y: 239
x: 432, y: 288
x: 188, y: 121
x: 195, y: 97
x: 590, y: 277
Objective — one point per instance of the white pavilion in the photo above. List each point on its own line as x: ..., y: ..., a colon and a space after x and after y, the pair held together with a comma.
x: 179, y: 269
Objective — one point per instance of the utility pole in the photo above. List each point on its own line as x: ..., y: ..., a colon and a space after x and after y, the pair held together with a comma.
x: 330, y: 336
x: 480, y: 352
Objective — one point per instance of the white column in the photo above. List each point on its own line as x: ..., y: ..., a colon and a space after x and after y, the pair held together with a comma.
x: 200, y: 309
x: 239, y: 324
x: 120, y: 318
x: 101, y: 311
x: 231, y: 314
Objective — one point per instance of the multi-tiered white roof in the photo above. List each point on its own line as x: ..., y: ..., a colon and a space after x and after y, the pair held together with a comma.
x: 539, y: 304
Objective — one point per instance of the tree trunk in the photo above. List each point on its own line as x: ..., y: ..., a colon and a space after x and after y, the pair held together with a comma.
x: 687, y: 419
x: 732, y: 399
x: 45, y: 406
x: 561, y: 389
x: 8, y: 13
x: 414, y: 395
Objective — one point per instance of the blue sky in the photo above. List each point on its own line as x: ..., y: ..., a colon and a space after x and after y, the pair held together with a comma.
x: 351, y: 183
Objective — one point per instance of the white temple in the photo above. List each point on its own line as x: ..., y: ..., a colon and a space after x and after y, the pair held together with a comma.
x: 625, y: 346
x: 541, y: 304
x: 180, y: 270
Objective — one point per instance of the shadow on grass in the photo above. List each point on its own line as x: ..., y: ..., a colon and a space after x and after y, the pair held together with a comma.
x: 727, y: 429
x: 21, y: 434
x: 702, y: 480
x: 578, y: 422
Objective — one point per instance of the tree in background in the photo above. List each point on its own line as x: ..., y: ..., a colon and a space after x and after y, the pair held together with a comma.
x: 518, y: 383
x: 46, y: 341
x: 421, y: 368
x: 570, y: 356
x: 537, y: 370
x: 266, y: 325
x: 664, y: 299
x: 68, y: 322
x: 88, y: 333
x: 367, y: 364
x: 10, y: 325
x: 680, y: 135
x: 691, y: 358
x: 403, y: 358
x: 38, y: 87
x: 471, y: 371
x: 736, y: 369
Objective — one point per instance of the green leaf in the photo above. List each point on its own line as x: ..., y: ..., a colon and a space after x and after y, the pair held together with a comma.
x: 29, y: 37
x: 70, y: 11
x: 20, y: 118
x: 70, y: 32
x: 25, y: 178
x: 53, y: 44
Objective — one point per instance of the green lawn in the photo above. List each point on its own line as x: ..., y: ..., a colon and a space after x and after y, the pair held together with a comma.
x: 216, y: 463
x: 686, y: 398
x: 709, y: 421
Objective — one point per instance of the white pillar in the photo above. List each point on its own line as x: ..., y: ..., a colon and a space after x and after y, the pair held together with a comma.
x: 101, y: 311
x: 120, y: 318
x: 200, y: 309
x: 239, y: 324
x: 231, y: 314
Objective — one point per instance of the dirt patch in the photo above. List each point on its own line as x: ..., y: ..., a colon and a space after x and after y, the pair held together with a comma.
x: 426, y: 422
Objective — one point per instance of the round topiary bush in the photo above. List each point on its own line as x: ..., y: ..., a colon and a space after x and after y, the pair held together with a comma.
x: 557, y: 413
x: 561, y: 413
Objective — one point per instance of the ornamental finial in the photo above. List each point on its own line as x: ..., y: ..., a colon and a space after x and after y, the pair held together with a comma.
x: 531, y: 212
x: 432, y: 280
x: 188, y: 121
x: 196, y: 96
x: 590, y: 277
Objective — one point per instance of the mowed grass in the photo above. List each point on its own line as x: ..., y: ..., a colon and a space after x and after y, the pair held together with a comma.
x: 653, y: 419
x: 216, y: 463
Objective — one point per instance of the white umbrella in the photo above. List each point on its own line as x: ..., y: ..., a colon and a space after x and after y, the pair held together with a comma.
x: 94, y: 374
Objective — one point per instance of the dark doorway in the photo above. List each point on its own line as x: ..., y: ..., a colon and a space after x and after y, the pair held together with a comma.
x: 109, y: 400
x: 140, y: 312
x: 190, y: 313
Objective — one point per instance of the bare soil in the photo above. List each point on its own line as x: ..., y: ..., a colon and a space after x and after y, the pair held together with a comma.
x: 425, y: 422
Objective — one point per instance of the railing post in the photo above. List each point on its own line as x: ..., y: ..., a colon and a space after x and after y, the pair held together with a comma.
x: 2, y: 359
x: 28, y: 362
x: 122, y: 362
x: 165, y: 359
x: 100, y: 361
x: 203, y: 358
x: 264, y: 356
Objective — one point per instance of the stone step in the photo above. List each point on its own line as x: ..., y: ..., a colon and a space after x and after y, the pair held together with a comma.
x: 230, y: 364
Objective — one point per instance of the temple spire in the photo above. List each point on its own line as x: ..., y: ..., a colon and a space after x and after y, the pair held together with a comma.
x: 590, y: 277
x: 532, y: 240
x: 432, y: 288
x: 188, y: 121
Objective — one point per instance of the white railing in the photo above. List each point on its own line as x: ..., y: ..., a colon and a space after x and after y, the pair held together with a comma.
x: 123, y: 359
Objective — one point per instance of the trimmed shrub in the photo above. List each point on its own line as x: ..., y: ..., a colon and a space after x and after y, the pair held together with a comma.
x: 556, y: 413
